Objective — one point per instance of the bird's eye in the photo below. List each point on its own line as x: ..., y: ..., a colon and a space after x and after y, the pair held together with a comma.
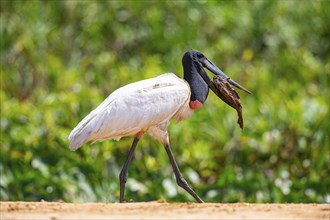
x: 200, y: 55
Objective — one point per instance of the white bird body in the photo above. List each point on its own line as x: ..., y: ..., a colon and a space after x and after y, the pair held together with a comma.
x: 144, y: 106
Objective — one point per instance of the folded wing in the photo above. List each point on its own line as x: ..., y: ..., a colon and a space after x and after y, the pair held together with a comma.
x: 132, y: 109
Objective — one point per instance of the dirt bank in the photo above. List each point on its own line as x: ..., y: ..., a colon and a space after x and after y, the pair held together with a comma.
x: 161, y: 210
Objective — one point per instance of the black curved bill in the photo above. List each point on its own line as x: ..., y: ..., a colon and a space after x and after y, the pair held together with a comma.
x: 214, y: 69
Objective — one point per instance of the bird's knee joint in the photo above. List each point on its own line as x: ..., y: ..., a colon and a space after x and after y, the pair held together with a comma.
x: 123, y: 177
x: 181, y: 181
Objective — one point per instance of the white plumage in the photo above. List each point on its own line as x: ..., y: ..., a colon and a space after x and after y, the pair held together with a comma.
x: 144, y: 106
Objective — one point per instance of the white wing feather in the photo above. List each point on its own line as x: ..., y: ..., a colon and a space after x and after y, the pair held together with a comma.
x: 132, y: 109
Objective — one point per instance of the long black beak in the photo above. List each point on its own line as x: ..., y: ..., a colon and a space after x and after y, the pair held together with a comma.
x: 214, y: 69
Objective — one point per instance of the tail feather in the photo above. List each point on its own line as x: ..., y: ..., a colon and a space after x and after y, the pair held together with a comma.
x: 91, y: 124
x: 81, y: 133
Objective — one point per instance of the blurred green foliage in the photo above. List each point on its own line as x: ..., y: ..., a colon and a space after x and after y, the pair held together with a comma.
x: 60, y: 59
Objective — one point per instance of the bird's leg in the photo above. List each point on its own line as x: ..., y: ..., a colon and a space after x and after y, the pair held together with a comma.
x: 123, y: 172
x: 179, y: 178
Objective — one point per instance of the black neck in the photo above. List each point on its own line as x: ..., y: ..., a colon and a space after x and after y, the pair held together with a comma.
x: 199, y: 88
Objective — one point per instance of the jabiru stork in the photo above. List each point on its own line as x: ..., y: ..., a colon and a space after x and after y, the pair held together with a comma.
x: 147, y: 106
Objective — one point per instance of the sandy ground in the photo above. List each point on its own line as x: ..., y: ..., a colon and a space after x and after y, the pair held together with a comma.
x: 160, y: 210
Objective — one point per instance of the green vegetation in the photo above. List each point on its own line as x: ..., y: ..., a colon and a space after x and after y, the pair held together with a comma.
x: 60, y: 59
